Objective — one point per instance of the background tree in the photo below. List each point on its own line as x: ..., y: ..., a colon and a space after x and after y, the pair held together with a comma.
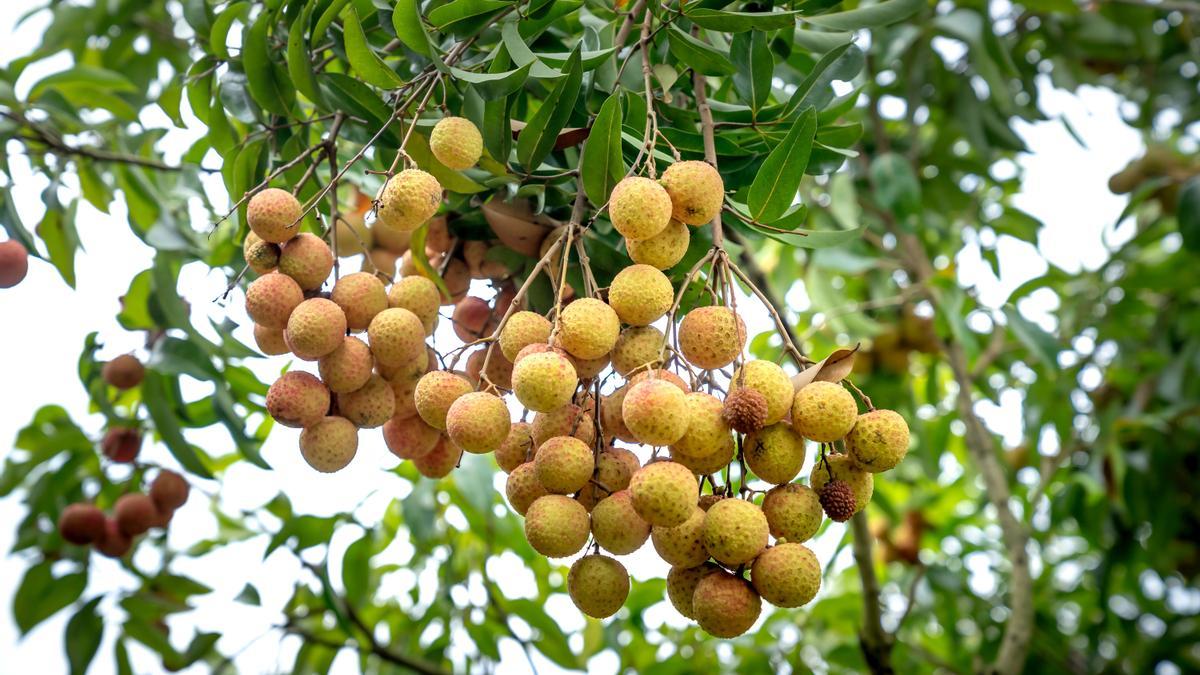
x: 1087, y: 528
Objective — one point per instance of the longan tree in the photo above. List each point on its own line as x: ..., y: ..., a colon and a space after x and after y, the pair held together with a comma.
x: 634, y: 272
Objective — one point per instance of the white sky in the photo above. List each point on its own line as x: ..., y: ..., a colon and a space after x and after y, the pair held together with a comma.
x: 1065, y: 187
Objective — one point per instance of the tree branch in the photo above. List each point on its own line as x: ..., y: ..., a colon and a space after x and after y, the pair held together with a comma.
x: 874, y: 641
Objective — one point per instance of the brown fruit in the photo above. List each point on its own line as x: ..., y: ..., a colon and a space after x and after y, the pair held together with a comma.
x: 135, y: 513
x: 121, y: 444
x: 837, y: 498
x: 114, y: 543
x: 124, y: 372
x: 745, y: 410
x: 169, y: 490
x: 81, y: 524
x: 14, y: 263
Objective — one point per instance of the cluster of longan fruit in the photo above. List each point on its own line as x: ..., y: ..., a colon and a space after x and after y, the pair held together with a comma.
x: 133, y: 514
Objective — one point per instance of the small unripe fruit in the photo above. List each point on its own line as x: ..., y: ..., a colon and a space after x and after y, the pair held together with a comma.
x: 544, y: 382
x: 361, y: 296
x: 353, y: 235
x: 516, y: 448
x: 409, y: 438
x: 681, y: 586
x: 81, y: 524
x: 768, y: 379
x: 837, y: 500
x: 272, y: 215
x: 598, y: 585
x: 396, y: 336
x: 523, y: 488
x: 664, y: 493
x: 823, y: 412
x: 793, y: 512
x: 261, y: 256
x: 114, y: 543
x: 271, y: 298
x: 641, y: 294
x: 706, y: 428
x: 169, y: 491
x: 439, y: 462
x: 862, y: 484
x: 556, y: 526
x: 878, y: 441
x: 656, y: 412
x: 616, y: 526
x: 588, y: 328
x: 330, y: 444
x: 711, y: 337
x: 121, y: 444
x: 664, y: 250
x: 564, y: 465
x: 639, y: 208
x: 456, y: 142
x: 123, y: 372
x: 14, y: 263
x: 637, y: 347
x: 682, y: 545
x: 298, y: 399
x: 522, y: 329
x: 774, y: 454
x: 706, y: 501
x: 307, y: 259
x: 409, y: 199
x: 735, y: 531
x: 348, y: 367
x: 436, y: 392
x: 569, y: 420
x: 787, y: 575
x: 725, y: 605
x: 711, y: 463
x: 419, y: 296
x: 478, y: 422
x: 135, y: 513
x: 696, y: 190
x: 745, y: 410
x: 315, y: 328
x: 370, y: 405
x: 270, y: 341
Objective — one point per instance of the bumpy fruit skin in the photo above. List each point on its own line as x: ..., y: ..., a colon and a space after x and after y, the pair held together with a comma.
x: 556, y: 526
x: 515, y: 448
x: 169, y: 491
x: 564, y: 465
x: 353, y: 235
x: 348, y: 367
x: 410, y: 198
x: 711, y: 337
x: 410, y: 437
x: 124, y: 372
x: 439, y: 462
x: 614, y: 468
x: 682, y: 545
x: 316, y: 327
x: 745, y: 410
x: 81, y: 524
x: 270, y: 341
x: 768, y: 379
x: 616, y: 526
x: 681, y: 586
x: 499, y: 369
x: 436, y: 392
x: 656, y: 412
x: 735, y: 531
x: 598, y: 585
x: 544, y: 382
x: 522, y: 329
x: 396, y: 336
x: 725, y: 605
x: 639, y: 208
x: 14, y: 263
x: 298, y: 399
x: 775, y: 454
x: 478, y: 422
x: 587, y: 369
x: 696, y: 191
x: 664, y: 250
x: 419, y: 296
x: 707, y: 430
x: 793, y: 512
x: 121, y: 444
x: 611, y: 419
x: 659, y: 374
x: 523, y: 488
x: 135, y: 513
x: 588, y: 328
x: 370, y: 405
x: 640, y: 295
x: 712, y: 463
x: 271, y: 214
x: 456, y: 142
x: 637, y: 347
x: 307, y: 259
x: 837, y: 500
x: 569, y: 420
x: 361, y: 296
x: 404, y: 381
x: 329, y: 445
x: 271, y: 298
x: 787, y: 575
x: 824, y: 412
x: 664, y: 493
x: 844, y: 468
x: 878, y: 441
x: 261, y: 256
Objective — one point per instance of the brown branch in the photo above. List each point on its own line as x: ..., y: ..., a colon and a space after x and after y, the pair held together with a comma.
x: 699, y: 85
x: 875, y: 642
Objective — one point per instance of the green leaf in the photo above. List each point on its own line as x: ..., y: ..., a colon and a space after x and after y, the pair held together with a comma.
x: 1044, y: 346
x: 299, y: 65
x: 356, y: 569
x: 739, y: 22
x: 41, y: 595
x: 538, y: 137
x: 462, y: 16
x: 774, y: 188
x: 871, y: 16
x: 896, y: 186
x: 821, y: 75
x: 421, y: 259
x: 496, y: 125
x: 155, y: 398
x: 220, y: 28
x: 814, y: 239
x: 406, y: 19
x: 755, y: 66
x: 88, y: 77
x: 1188, y: 213
x: 58, y: 233
x: 365, y: 61
x: 12, y: 222
x: 603, y: 164
x: 84, y: 633
x: 491, y: 86
x: 700, y: 56
x: 522, y: 55
x: 266, y: 87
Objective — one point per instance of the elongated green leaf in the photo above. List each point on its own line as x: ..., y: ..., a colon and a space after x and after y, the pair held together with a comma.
x: 872, y: 16
x: 220, y: 28
x: 11, y: 221
x: 591, y: 59
x: 755, y: 65
x: 491, y: 86
x: 84, y: 632
x: 461, y: 16
x: 522, y: 55
x: 88, y: 77
x: 819, y: 77
x: 155, y: 397
x: 421, y: 259
x: 496, y: 125
x: 266, y: 87
x: 813, y: 239
x: 738, y: 22
x: 779, y: 177
x: 365, y: 61
x: 1188, y: 210
x: 1045, y: 347
x: 538, y: 136
x: 700, y: 56
x: 41, y: 595
x: 406, y: 19
x: 298, y: 63
x: 57, y: 231
x: 356, y: 569
x: 896, y: 186
x: 603, y: 164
